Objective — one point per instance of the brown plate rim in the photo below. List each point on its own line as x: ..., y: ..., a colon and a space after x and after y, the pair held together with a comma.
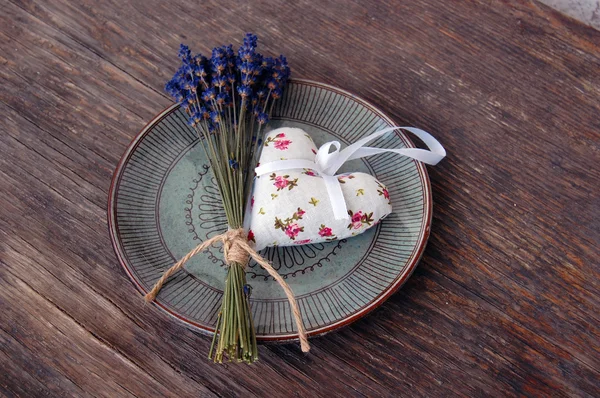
x: 398, y: 282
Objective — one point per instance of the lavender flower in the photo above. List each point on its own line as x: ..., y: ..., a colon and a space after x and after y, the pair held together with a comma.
x: 204, y: 112
x: 244, y: 91
x: 223, y: 99
x: 195, y: 119
x: 209, y: 94
x: 262, y: 118
x: 208, y: 87
x: 184, y: 52
x: 215, y: 117
x: 199, y: 70
x: 219, y: 81
x: 272, y: 84
x: 275, y: 94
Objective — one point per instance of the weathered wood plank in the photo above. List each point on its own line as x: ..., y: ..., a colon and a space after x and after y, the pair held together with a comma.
x: 22, y: 372
x: 91, y: 365
x: 505, y: 300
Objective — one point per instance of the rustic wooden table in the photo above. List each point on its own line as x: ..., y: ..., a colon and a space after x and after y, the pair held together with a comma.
x: 506, y: 299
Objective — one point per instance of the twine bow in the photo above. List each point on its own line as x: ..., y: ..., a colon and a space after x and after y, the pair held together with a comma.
x: 236, y: 249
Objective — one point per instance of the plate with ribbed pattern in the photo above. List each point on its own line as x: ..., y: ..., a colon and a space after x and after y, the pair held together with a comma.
x: 163, y: 202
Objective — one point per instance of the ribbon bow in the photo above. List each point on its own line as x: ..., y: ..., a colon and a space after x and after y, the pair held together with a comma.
x: 327, y: 163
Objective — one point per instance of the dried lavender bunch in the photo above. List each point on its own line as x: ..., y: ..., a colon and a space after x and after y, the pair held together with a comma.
x: 229, y: 97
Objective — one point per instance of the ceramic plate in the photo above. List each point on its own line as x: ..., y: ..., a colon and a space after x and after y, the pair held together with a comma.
x: 163, y: 202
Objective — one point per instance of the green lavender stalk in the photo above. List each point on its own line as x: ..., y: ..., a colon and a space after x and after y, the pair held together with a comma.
x: 229, y: 98
x: 235, y: 328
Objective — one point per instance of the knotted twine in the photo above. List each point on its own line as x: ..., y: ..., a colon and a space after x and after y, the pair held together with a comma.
x: 237, y: 250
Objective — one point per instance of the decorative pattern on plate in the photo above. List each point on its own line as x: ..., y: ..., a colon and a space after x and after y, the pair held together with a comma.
x: 334, y: 282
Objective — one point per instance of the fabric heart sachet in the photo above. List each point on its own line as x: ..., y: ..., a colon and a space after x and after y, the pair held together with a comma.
x: 299, y: 199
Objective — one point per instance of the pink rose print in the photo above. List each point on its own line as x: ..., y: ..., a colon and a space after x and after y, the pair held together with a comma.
x: 279, y: 142
x: 293, y: 230
x: 386, y: 194
x: 358, y: 219
x: 251, y: 236
x: 302, y: 242
x: 325, y: 231
x: 309, y: 172
x: 383, y: 192
x: 290, y: 226
x: 282, y: 182
x: 282, y: 145
x: 252, y: 202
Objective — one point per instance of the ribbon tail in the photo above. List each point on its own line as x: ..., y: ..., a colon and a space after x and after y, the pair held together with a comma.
x: 422, y: 155
x: 336, y: 196
x: 432, y: 156
x: 357, y: 150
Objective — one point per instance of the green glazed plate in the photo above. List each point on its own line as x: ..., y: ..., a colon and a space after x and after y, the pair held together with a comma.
x: 163, y: 202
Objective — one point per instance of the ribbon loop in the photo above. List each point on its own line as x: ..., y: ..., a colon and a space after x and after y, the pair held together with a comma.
x: 327, y: 163
x: 324, y: 157
x: 358, y: 149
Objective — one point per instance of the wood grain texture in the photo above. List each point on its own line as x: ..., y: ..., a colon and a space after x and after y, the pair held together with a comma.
x: 505, y: 301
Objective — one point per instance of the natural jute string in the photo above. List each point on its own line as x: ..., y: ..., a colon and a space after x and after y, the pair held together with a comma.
x: 236, y: 249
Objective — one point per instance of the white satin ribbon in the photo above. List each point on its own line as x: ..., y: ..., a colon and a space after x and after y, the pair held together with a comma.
x: 326, y: 163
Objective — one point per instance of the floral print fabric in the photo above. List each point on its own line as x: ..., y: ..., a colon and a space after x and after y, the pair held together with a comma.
x: 292, y: 207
